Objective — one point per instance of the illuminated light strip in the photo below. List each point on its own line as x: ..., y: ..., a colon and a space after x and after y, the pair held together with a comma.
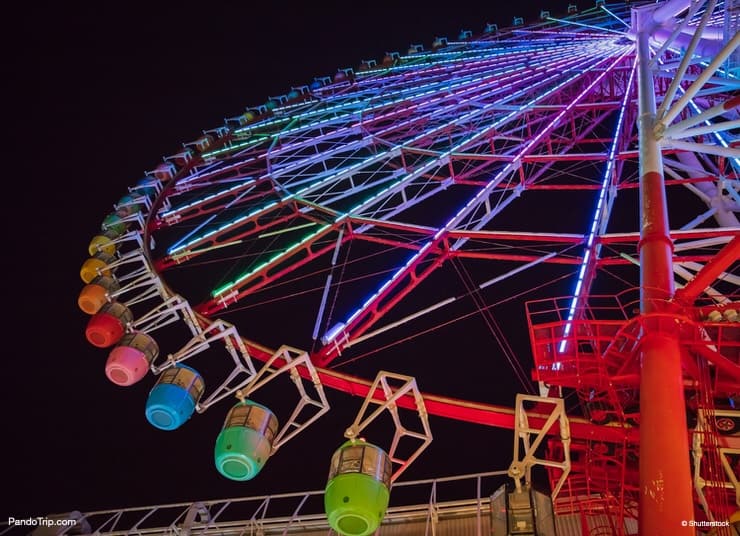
x: 413, y: 91
x: 287, y: 229
x: 499, y: 176
x: 282, y: 254
x: 498, y: 75
x: 698, y: 110
x: 177, y: 247
x: 419, y: 58
x: 569, y: 22
x: 269, y: 206
x: 538, y: 51
x: 559, y: 33
x: 435, y: 89
x: 233, y: 147
x: 443, y: 157
x: 480, y: 82
x: 181, y: 246
x: 717, y: 135
x: 483, y: 46
x: 441, y: 160
x: 287, y: 252
x: 432, y: 101
x: 721, y: 70
x: 246, y: 182
x: 442, y: 59
x: 394, y: 152
x: 613, y: 15
x: 511, y: 165
x: 211, y: 248
x: 485, y: 60
x: 597, y: 213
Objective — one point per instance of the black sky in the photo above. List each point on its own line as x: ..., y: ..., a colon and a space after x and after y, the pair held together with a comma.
x: 107, y: 90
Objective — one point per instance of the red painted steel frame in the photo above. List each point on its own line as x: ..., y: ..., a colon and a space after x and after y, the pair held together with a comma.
x: 666, y: 495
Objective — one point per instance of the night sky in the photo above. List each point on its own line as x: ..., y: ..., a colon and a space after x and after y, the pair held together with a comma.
x: 111, y: 89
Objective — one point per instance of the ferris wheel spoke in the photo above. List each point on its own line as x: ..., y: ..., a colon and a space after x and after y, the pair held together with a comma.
x: 521, y: 154
x: 491, y: 210
x: 274, y: 204
x: 364, y: 316
x: 223, y: 229
x: 705, y: 163
x: 668, y: 41
x: 711, y: 271
x: 179, y: 212
x: 616, y: 17
x: 706, y: 148
x: 601, y: 213
x: 710, y: 291
x: 366, y: 142
x: 303, y: 251
x: 676, y: 108
x: 582, y: 25
x: 365, y: 102
x: 231, y: 292
x: 723, y: 276
x: 460, y: 89
x: 684, y: 128
x: 409, y: 202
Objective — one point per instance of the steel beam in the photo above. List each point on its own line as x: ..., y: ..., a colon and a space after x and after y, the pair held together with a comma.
x: 666, y: 497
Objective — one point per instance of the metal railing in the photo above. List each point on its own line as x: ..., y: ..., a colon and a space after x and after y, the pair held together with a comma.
x: 423, y: 503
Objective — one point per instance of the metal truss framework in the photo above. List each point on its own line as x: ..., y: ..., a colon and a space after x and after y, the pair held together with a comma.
x: 373, y: 182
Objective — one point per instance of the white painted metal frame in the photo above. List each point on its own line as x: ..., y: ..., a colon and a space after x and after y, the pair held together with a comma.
x: 705, y: 429
x: 290, y: 360
x: 219, y: 330
x: 253, y: 515
x: 140, y: 283
x: 527, y: 439
x: 385, y: 395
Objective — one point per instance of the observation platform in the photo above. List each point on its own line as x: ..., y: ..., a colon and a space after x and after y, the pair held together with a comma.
x: 594, y: 349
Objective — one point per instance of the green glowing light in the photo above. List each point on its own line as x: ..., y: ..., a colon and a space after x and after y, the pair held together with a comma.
x: 277, y: 257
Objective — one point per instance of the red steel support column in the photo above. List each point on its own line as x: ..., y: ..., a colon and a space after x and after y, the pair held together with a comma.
x: 666, y: 498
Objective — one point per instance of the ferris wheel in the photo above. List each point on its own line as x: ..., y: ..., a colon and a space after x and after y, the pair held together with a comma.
x: 388, y: 231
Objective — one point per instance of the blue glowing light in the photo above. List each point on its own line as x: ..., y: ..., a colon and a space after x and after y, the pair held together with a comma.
x: 596, y: 217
